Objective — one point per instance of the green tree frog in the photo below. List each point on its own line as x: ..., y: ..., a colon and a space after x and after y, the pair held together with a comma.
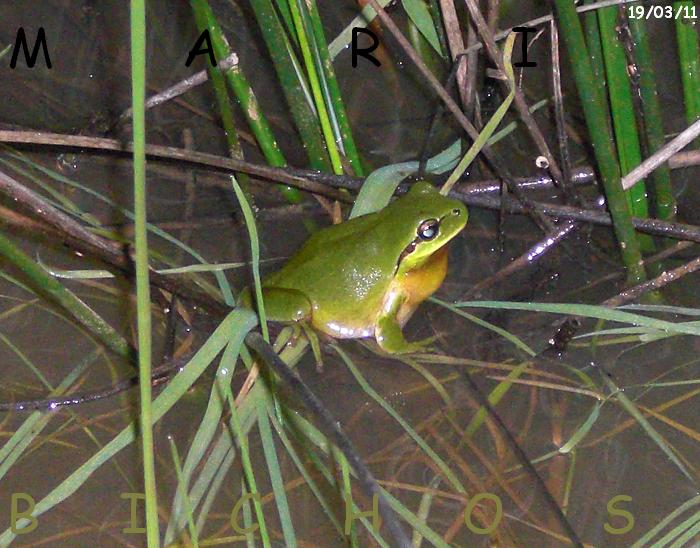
x: 365, y: 277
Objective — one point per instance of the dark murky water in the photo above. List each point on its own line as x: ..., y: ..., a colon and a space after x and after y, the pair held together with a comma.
x: 89, y: 84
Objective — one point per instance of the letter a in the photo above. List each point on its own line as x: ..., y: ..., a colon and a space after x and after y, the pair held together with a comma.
x: 204, y: 37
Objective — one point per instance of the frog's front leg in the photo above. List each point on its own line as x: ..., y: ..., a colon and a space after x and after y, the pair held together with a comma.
x: 388, y: 330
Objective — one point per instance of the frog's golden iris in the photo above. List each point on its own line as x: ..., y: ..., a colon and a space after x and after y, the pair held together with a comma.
x: 366, y: 276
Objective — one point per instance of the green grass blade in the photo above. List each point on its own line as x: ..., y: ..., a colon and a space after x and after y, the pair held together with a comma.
x: 589, y: 311
x: 646, y: 538
x: 381, y: 184
x: 493, y: 122
x: 182, y: 487
x: 420, y: 15
x: 143, y: 287
x: 275, y: 473
x: 238, y: 323
x: 439, y: 462
x: 483, y: 323
x: 254, y: 252
x: 657, y: 438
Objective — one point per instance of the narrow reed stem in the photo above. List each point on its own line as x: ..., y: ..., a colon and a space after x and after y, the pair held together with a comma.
x: 295, y: 89
x: 689, y: 58
x: 622, y: 108
x: 246, y: 97
x: 597, y: 122
x: 664, y: 201
x: 143, y: 288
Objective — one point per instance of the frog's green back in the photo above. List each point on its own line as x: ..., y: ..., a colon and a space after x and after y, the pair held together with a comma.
x: 346, y: 270
x: 345, y: 266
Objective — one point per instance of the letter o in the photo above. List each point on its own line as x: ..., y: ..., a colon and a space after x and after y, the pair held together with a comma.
x: 496, y: 520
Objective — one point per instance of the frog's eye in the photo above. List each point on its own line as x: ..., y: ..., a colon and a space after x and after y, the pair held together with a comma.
x: 429, y: 229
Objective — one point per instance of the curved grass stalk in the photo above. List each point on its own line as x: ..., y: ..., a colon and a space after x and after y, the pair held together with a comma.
x: 491, y: 125
x: 255, y: 255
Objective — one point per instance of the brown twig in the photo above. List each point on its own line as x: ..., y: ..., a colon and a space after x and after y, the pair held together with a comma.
x: 559, y: 104
x: 654, y: 227
x: 456, y: 45
x: 171, y: 153
x: 520, y: 102
x: 183, y: 86
x: 661, y: 156
x: 541, y: 220
x: 81, y: 239
x: 571, y: 324
x: 318, y: 182
x: 660, y: 281
x: 530, y: 256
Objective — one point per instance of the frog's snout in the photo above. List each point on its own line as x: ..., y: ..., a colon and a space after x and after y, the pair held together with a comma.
x: 456, y: 211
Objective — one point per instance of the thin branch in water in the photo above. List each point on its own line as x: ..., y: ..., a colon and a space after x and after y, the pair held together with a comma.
x: 289, y: 176
x: 660, y: 281
x: 309, y: 399
x: 541, y: 220
x: 662, y: 155
x: 526, y: 259
x: 520, y: 102
x: 571, y: 324
x: 313, y: 181
x: 159, y: 375
x: 182, y: 86
x: 654, y: 227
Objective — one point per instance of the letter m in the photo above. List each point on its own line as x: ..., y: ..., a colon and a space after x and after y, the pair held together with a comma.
x: 21, y: 41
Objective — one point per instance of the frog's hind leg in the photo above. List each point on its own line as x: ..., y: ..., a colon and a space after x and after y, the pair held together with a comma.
x: 292, y: 306
x: 286, y: 305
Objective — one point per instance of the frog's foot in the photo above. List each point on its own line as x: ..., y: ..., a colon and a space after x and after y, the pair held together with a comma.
x: 293, y: 307
x: 390, y: 338
x: 315, y: 345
